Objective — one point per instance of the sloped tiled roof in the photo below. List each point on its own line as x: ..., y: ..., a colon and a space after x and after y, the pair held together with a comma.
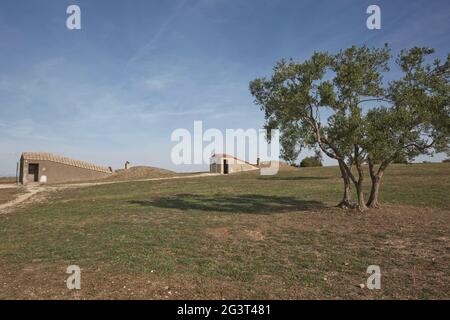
x: 44, y: 156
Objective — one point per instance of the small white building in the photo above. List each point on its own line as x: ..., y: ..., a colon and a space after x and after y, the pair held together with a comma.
x: 224, y: 164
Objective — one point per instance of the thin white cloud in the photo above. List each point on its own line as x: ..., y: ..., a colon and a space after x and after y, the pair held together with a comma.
x: 27, y: 129
x: 144, y: 50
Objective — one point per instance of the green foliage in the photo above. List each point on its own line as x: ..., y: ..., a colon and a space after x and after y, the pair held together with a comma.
x: 297, y: 94
x: 417, y: 121
x: 400, y: 159
x: 406, y: 117
x: 311, y: 162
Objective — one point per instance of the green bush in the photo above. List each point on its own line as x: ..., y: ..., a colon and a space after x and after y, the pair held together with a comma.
x: 401, y: 159
x: 311, y: 162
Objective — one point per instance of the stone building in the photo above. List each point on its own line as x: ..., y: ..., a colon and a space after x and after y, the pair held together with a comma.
x: 41, y: 167
x: 225, y: 164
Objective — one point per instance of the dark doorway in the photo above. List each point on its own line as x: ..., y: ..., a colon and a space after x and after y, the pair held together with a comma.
x: 33, y: 172
x: 225, y: 166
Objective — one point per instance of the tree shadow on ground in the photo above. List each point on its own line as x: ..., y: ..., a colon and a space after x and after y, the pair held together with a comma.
x: 255, y: 204
x: 287, y: 178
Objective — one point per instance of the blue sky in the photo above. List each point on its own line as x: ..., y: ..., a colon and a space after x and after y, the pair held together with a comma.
x: 116, y: 89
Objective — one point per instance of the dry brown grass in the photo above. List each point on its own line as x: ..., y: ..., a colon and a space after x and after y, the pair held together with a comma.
x: 7, y: 180
x: 8, y: 194
x: 139, y: 172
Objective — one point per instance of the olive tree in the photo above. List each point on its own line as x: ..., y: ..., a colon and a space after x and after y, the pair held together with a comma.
x: 322, y: 102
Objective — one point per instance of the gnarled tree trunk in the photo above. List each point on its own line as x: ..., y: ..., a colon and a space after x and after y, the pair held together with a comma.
x: 374, y: 193
x: 359, y: 183
x: 361, y: 202
x: 359, y: 187
x: 376, y: 178
x: 346, y: 201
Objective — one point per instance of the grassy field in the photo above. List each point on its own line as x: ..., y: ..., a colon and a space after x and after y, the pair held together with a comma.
x: 237, y: 236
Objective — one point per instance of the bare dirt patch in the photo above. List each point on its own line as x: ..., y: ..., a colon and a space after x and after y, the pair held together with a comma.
x: 7, y: 180
x: 48, y: 281
x: 256, y: 235
x: 23, y: 196
x: 9, y: 193
x: 218, y: 233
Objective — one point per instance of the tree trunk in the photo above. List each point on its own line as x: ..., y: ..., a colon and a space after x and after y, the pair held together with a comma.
x: 361, y: 202
x: 376, y: 183
x: 359, y: 184
x: 346, y: 201
x: 374, y: 193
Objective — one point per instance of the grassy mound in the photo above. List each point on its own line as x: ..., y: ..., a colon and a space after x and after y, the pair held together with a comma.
x: 140, y: 172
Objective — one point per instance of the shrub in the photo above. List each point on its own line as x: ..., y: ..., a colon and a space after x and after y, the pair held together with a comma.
x: 401, y: 159
x: 311, y: 162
